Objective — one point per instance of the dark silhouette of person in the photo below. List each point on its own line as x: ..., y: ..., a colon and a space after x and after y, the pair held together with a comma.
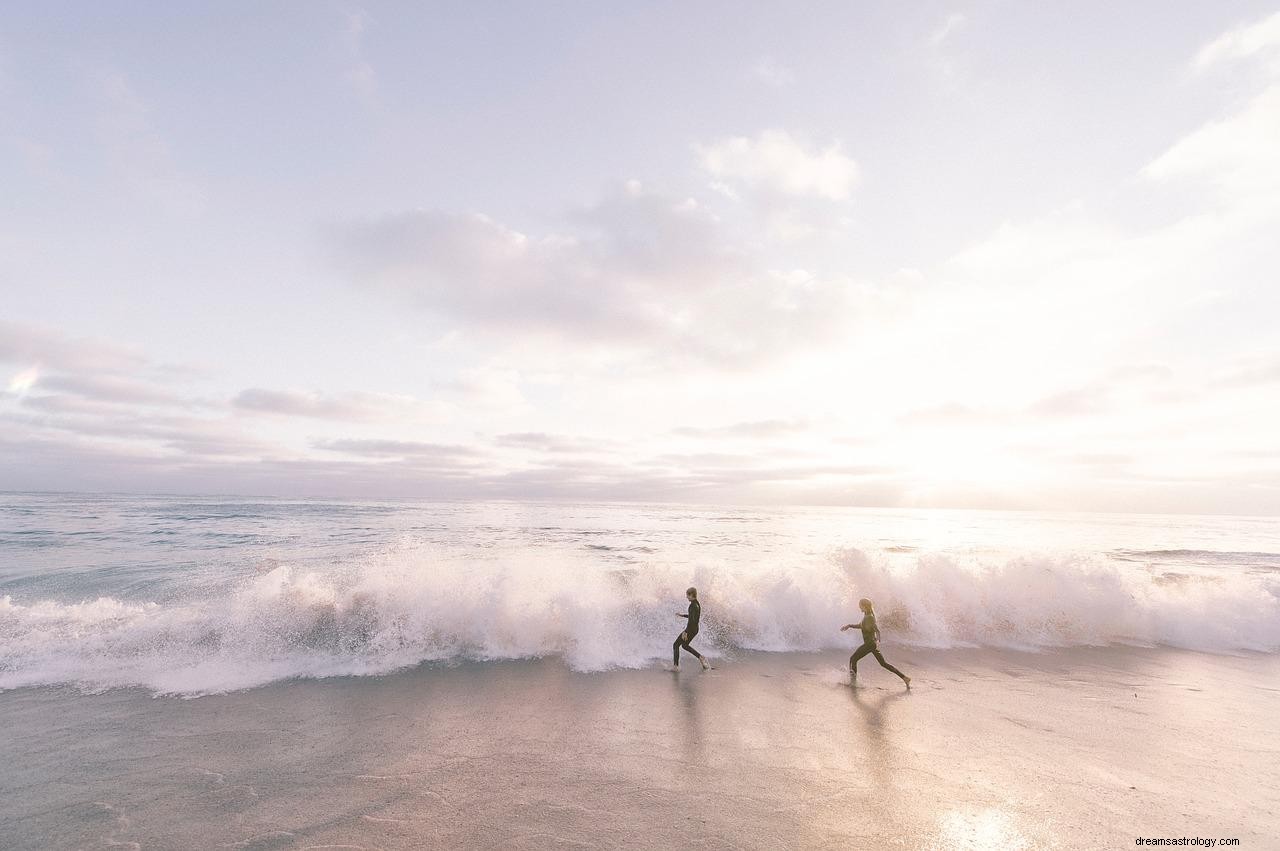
x: 685, y: 639
x: 870, y: 642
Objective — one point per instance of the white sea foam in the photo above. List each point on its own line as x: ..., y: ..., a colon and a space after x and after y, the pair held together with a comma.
x: 410, y: 607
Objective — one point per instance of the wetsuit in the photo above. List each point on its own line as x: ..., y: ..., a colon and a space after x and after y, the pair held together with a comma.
x: 686, y: 637
x: 870, y: 637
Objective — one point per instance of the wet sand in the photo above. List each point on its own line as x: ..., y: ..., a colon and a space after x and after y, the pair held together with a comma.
x: 1087, y: 748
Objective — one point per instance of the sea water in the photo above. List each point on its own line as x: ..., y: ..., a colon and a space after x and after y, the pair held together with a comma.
x: 199, y: 595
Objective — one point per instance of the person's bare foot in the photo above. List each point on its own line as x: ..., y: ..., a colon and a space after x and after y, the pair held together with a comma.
x: 705, y: 665
x: 907, y: 680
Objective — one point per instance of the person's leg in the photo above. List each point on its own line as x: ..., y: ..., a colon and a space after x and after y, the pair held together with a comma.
x: 687, y: 644
x: 858, y: 654
x: 675, y: 650
x: 888, y: 667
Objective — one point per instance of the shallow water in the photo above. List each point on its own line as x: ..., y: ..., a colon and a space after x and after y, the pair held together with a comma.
x: 1080, y: 748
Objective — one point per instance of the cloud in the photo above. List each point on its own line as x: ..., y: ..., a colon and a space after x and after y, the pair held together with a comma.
x: 1085, y: 289
x: 1081, y: 401
x: 948, y: 26
x: 659, y: 240
x: 207, y: 458
x: 1106, y: 461
x: 1137, y: 386
x: 1142, y: 385
x: 553, y: 443
x: 639, y: 271
x: 601, y: 284
x: 711, y: 478
x: 1253, y: 373
x: 751, y: 430
x: 1016, y: 251
x: 114, y: 389
x: 108, y: 428
x: 439, y: 454
x: 53, y: 350
x: 1237, y: 154
x: 950, y: 415
x: 776, y: 163
x: 354, y: 406
x: 1243, y: 42
x: 64, y: 374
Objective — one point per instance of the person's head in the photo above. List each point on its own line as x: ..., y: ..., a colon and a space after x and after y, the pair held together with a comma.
x: 865, y: 605
x: 691, y: 593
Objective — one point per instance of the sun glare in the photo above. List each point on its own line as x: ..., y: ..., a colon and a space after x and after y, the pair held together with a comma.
x: 23, y: 381
x: 949, y: 462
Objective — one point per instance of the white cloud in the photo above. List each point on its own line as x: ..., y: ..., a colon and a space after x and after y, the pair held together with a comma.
x: 775, y: 162
x: 1238, y: 154
x: 639, y: 271
x: 543, y: 442
x: 591, y: 285
x: 1016, y: 251
x: 353, y: 406
x: 756, y: 429
x: 948, y: 26
x: 115, y: 389
x: 27, y: 344
x: 1243, y: 42
x: 1028, y: 330
x: 439, y: 454
x: 65, y: 373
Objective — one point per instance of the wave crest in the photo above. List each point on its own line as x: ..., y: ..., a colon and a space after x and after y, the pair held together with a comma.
x: 408, y: 608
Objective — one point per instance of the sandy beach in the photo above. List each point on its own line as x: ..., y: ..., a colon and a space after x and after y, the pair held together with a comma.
x: 1086, y: 748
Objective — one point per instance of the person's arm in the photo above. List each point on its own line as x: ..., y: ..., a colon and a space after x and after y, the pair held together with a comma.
x: 849, y: 626
x: 681, y: 615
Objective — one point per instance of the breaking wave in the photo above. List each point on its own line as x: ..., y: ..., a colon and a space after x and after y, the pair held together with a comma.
x: 410, y: 607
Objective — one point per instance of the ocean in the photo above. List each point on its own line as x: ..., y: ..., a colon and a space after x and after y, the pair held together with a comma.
x: 215, y: 672
x: 193, y: 596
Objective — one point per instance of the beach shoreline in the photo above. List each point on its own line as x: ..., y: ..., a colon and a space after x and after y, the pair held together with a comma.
x: 1085, y: 747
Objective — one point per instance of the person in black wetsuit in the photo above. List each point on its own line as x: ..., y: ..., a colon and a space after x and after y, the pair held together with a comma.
x: 685, y: 639
x: 870, y: 640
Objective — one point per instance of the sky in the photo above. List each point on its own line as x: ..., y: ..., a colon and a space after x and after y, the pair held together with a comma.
x: 970, y: 255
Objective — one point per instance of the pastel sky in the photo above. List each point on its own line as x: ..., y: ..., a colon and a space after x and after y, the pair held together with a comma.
x: 988, y: 254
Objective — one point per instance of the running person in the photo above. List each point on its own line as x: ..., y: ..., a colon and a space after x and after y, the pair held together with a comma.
x: 685, y: 639
x: 870, y: 640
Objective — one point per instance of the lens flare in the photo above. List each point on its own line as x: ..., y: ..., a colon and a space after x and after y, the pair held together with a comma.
x: 23, y: 381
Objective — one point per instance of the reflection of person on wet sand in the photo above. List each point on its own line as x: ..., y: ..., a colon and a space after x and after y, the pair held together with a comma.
x: 685, y: 638
x: 877, y: 715
x: 870, y: 642
x: 689, y: 720
x: 872, y: 712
